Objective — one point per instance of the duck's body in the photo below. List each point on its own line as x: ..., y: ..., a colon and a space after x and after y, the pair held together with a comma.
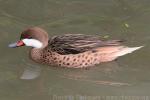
x: 71, y: 50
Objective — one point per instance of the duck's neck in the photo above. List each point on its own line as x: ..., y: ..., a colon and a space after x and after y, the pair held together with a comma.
x: 36, y: 54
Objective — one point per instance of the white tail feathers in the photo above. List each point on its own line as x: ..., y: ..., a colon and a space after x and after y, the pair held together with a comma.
x: 126, y: 50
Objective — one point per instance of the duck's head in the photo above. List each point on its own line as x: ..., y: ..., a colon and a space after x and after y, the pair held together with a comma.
x: 34, y: 37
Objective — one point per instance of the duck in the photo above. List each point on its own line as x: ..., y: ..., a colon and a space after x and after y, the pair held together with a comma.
x: 70, y: 50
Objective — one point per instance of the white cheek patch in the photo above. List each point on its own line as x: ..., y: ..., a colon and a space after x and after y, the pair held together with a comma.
x: 33, y: 43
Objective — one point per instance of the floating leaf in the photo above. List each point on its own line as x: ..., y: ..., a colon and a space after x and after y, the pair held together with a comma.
x: 126, y: 25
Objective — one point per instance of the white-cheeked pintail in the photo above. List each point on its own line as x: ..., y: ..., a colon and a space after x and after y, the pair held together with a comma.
x: 71, y: 50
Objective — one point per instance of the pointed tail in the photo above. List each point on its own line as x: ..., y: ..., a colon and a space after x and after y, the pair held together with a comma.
x: 113, y: 52
x: 126, y: 50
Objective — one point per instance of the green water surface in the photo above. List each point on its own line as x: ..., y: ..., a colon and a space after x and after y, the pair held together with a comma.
x: 118, y: 19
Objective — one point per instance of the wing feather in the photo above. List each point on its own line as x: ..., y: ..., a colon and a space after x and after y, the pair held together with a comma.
x: 78, y: 43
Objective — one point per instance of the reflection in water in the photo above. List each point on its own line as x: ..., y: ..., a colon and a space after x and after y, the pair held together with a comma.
x: 109, y: 83
x: 108, y: 69
x: 30, y: 71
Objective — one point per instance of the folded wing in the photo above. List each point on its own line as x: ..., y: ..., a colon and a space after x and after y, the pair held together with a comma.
x: 78, y: 43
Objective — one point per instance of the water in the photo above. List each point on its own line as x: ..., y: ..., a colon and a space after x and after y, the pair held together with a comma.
x: 119, y: 19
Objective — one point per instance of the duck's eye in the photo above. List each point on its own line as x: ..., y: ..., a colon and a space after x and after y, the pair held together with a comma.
x: 24, y: 36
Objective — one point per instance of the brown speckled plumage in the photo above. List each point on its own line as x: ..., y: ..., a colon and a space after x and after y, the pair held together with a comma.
x: 73, y: 50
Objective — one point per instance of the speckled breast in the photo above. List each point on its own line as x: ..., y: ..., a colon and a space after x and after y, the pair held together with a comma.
x: 80, y: 60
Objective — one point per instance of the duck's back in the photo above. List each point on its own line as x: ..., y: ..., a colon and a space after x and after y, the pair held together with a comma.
x: 78, y: 43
